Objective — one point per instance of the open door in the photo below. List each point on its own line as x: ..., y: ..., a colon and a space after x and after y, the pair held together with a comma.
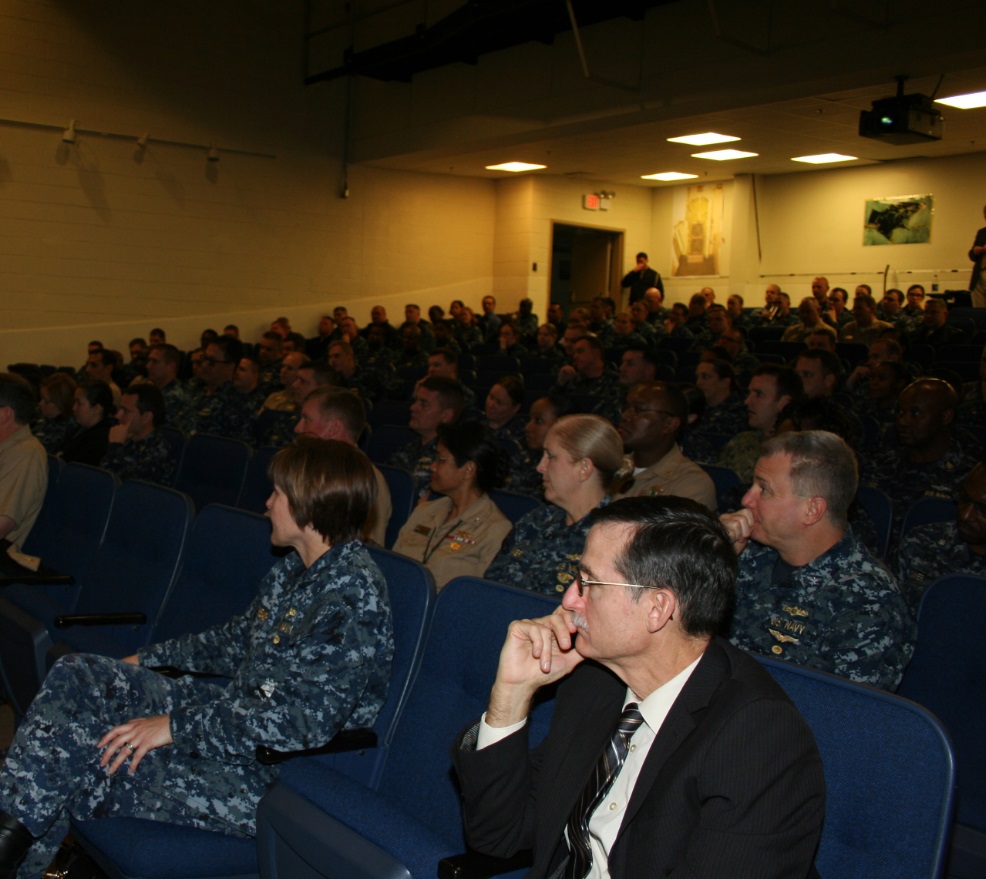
x: 585, y: 262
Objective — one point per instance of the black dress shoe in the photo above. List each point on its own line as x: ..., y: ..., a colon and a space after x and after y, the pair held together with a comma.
x: 15, y: 840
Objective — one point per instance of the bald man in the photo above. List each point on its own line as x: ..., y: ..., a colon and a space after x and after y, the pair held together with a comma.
x: 928, y: 461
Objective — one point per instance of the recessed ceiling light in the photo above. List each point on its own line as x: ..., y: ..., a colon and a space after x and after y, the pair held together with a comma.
x: 668, y: 175
x: 724, y: 155
x: 965, y: 102
x: 706, y: 139
x: 515, y: 167
x: 824, y: 158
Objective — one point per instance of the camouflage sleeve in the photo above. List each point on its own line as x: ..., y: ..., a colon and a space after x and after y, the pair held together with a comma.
x: 218, y: 650
x: 300, y: 687
x: 871, y: 634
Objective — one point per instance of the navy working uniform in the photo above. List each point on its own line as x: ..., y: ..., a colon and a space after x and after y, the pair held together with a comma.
x: 929, y: 552
x: 841, y: 613
x: 150, y: 458
x: 310, y: 656
x: 542, y: 553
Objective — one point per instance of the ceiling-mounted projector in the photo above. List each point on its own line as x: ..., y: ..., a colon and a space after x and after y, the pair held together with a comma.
x: 902, y: 119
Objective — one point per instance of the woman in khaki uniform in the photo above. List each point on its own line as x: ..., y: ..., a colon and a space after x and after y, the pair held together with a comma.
x: 460, y: 533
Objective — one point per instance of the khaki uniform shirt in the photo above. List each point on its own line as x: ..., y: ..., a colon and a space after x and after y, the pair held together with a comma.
x: 674, y: 474
x: 23, y: 481
x: 454, y: 546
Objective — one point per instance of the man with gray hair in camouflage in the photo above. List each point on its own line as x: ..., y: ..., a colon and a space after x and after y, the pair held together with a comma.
x: 808, y: 590
x: 310, y: 656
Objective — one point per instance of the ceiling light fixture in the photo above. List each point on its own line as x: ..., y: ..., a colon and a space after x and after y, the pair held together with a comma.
x: 668, y: 175
x: 68, y: 135
x: 970, y: 101
x: 724, y: 155
x: 142, y: 141
x: 213, y: 154
x: 706, y: 139
x: 823, y: 158
x: 515, y: 167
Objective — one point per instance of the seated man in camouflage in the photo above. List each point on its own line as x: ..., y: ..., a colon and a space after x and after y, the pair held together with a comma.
x: 808, y: 591
x: 137, y: 449
x: 932, y: 551
x: 436, y: 401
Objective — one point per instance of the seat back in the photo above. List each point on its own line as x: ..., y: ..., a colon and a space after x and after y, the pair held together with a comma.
x: 213, y: 469
x: 880, y: 509
x: 889, y: 774
x: 514, y: 505
x: 726, y: 482
x: 928, y: 510
x: 228, y: 553
x: 176, y: 439
x: 257, y: 486
x: 138, y: 560
x: 72, y: 522
x: 411, y: 588
x: 947, y: 675
x: 452, y: 688
x: 403, y: 496
x: 387, y: 439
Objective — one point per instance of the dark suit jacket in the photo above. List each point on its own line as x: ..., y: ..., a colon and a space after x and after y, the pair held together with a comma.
x: 977, y: 260
x: 732, y: 785
x: 640, y: 282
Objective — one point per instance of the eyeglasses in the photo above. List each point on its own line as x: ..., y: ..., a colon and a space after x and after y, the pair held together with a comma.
x: 581, y: 583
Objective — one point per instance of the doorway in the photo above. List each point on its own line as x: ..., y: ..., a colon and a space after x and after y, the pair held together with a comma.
x: 585, y: 262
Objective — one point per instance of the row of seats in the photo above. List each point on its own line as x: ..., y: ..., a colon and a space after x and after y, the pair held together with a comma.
x: 393, y: 811
x: 124, y: 565
x: 213, y: 562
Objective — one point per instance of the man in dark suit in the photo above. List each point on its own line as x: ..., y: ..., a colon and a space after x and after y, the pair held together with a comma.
x: 977, y: 283
x: 641, y: 278
x: 721, y: 774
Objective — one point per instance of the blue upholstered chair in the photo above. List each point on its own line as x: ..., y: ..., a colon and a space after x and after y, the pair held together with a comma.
x: 889, y: 777
x: 880, y: 509
x: 514, y: 505
x: 213, y: 469
x: 403, y: 497
x: 128, y: 848
x: 318, y: 823
x: 131, y: 572
x: 947, y: 675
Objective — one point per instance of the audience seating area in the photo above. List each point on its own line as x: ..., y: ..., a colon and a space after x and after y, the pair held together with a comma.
x: 392, y: 810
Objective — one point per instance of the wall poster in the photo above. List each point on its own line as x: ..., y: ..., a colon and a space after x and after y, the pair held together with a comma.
x: 898, y: 219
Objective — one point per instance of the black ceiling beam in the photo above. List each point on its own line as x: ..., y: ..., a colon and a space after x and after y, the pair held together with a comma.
x: 475, y: 29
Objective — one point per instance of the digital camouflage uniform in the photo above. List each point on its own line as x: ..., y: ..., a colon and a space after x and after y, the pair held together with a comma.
x: 729, y: 417
x: 931, y: 551
x: 597, y: 396
x: 841, y: 613
x: 52, y: 432
x: 226, y: 412
x: 542, y: 553
x: 906, y: 482
x: 311, y: 656
x: 150, y: 458
x: 176, y: 403
x: 741, y: 453
x: 416, y: 458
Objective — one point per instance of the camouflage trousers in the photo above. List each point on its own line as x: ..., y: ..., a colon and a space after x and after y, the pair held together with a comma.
x: 52, y: 769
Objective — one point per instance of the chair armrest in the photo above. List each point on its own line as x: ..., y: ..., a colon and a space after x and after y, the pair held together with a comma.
x: 100, y: 619
x: 344, y: 740
x: 473, y: 865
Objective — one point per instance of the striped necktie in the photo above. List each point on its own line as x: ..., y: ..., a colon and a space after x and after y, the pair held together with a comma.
x: 606, y: 769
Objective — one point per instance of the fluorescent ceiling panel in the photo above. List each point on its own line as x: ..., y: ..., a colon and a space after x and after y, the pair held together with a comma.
x: 668, y: 175
x: 970, y: 101
x: 823, y: 158
x: 724, y: 155
x: 515, y: 167
x: 706, y: 139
